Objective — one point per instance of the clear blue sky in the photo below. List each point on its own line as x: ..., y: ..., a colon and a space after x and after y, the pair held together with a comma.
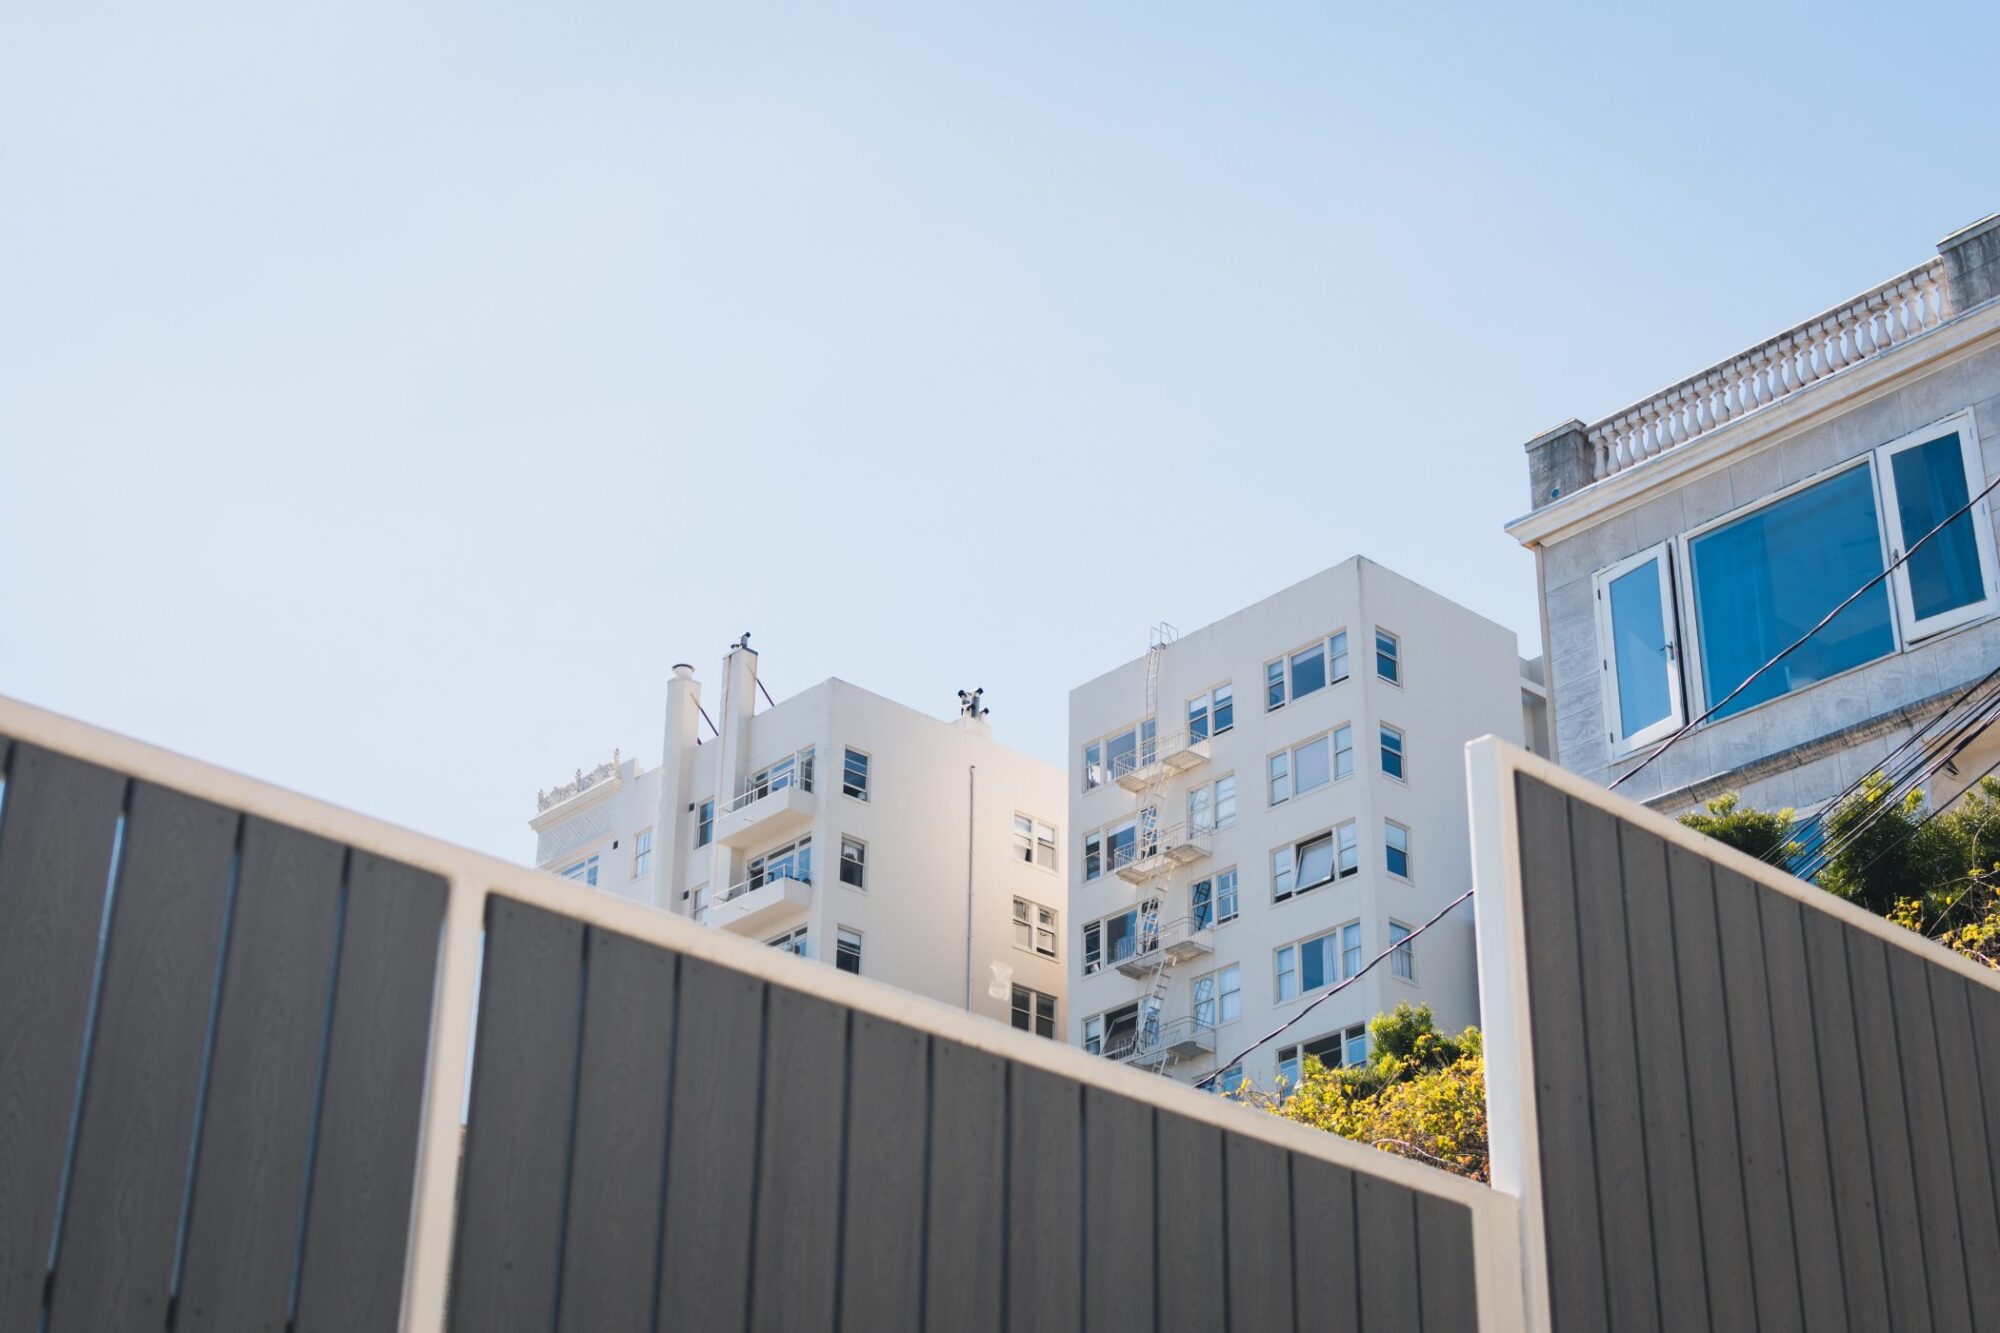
x: 389, y: 394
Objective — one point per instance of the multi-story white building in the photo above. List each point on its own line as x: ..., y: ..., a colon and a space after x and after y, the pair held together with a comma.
x: 1685, y: 542
x: 844, y: 827
x: 1262, y: 805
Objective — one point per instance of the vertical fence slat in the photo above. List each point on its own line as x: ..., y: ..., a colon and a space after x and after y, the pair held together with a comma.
x: 794, y: 1268
x: 881, y: 1282
x: 1930, y: 1141
x: 1888, y: 1131
x: 1632, y: 1303
x: 1118, y: 1282
x: 1189, y: 1205
x: 612, y: 1243
x: 1444, y: 1251
x: 1044, y: 1202
x: 517, y: 1133
x: 711, y: 1158
x: 1971, y: 1160
x: 1323, y: 1244
x: 56, y: 831
x: 1711, y: 1093
x: 115, y: 1264
x: 1753, y: 1069
x: 1562, y: 1072
x: 1258, y: 1181
x: 364, y: 1166
x: 1846, y: 1120
x: 967, y: 1190
x: 1682, y: 1287
x: 257, y: 1126
x: 1800, y: 1110
x: 1386, y: 1224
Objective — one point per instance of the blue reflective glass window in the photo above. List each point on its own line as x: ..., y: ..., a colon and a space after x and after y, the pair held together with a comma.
x: 1930, y: 486
x: 1639, y: 648
x: 1312, y: 963
x: 1767, y: 578
x: 1308, y: 671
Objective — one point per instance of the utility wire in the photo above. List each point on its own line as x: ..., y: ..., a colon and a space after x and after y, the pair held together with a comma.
x: 1801, y: 641
x: 1405, y: 942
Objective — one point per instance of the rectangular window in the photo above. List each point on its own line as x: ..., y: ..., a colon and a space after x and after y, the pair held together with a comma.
x: 1274, y: 685
x: 792, y: 769
x: 1211, y: 713
x: 1638, y: 651
x: 1357, y: 1046
x: 1309, y: 864
x: 1307, y: 966
x: 1105, y: 850
x: 1763, y: 580
x: 1213, y: 804
x: 1281, y: 777
x: 1392, y: 752
x: 854, y: 775
x: 704, y: 824
x: 1034, y: 842
x: 793, y: 942
x: 1350, y: 949
x: 1388, y: 656
x: 1950, y: 580
x: 642, y: 854
x: 1403, y: 961
x: 1312, y: 766
x: 1035, y: 927
x: 583, y: 872
x: 1336, y: 656
x: 1309, y: 671
x: 854, y: 863
x: 1396, y: 845
x: 1343, y: 752
x: 1093, y: 1035
x: 791, y: 861
x: 698, y: 909
x: 1093, y: 948
x: 1225, y: 1082
x: 1218, y: 997
x: 1214, y: 899
x: 1093, y: 766
x: 847, y: 950
x: 1034, y: 1012
x: 1121, y: 1030
x: 1350, y: 852
x: 1333, y: 1051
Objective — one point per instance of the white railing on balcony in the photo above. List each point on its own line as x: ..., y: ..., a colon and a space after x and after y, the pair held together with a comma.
x: 1853, y: 331
x: 792, y: 770
x: 1140, y: 766
x: 583, y: 782
x: 1156, y: 1039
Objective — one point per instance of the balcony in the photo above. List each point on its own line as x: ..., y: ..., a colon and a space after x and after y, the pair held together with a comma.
x: 1165, y: 849
x: 1156, y: 760
x: 1181, y: 940
x: 752, y: 907
x: 776, y: 803
x: 1176, y: 1039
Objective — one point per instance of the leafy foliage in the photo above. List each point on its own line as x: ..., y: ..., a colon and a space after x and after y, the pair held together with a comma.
x: 1937, y: 874
x: 1764, y: 834
x: 1422, y: 1094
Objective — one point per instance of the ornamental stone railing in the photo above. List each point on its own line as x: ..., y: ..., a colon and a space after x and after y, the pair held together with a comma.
x: 1891, y: 314
x: 583, y: 782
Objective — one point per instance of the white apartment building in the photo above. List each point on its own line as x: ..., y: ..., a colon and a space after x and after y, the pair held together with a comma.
x: 841, y: 826
x: 1264, y: 804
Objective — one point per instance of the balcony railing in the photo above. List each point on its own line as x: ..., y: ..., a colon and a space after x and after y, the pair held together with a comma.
x: 1182, y: 939
x: 1890, y: 315
x: 1159, y: 1040
x: 583, y: 782
x: 759, y: 902
x: 1160, y: 850
x: 1158, y: 757
x: 793, y: 770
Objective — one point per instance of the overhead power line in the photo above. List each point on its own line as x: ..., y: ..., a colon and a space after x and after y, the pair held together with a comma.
x: 1405, y: 942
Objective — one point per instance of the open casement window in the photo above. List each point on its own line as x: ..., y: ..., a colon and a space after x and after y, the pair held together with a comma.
x: 1639, y: 650
x: 1926, y: 478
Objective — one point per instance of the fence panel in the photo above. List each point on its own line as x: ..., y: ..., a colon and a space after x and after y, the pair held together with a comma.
x: 1769, y: 1106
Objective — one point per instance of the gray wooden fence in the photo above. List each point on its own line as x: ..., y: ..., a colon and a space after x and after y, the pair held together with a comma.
x: 233, y: 1050
x: 1735, y: 1102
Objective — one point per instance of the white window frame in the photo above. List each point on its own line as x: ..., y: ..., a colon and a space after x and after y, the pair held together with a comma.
x: 1214, y: 882
x: 1607, y: 682
x: 1388, y: 846
x: 867, y: 775
x: 1207, y: 813
x: 1688, y: 627
x: 642, y: 853
x: 698, y: 904
x: 1911, y: 628
x: 841, y: 937
x: 1395, y: 655
x: 1219, y: 996
x: 704, y: 822
x: 1036, y: 839
x: 1028, y: 916
x: 1327, y: 658
x: 860, y: 863
x: 1035, y: 998
x: 800, y: 936
x: 1402, y: 953
x: 1383, y: 732
x: 1206, y: 699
